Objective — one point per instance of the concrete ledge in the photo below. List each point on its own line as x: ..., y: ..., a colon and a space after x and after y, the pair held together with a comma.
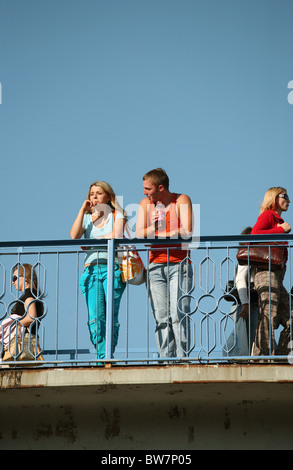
x: 138, y: 375
x: 158, y: 407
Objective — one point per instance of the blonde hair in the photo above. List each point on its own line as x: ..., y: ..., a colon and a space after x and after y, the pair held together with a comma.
x: 113, y: 202
x: 269, y: 201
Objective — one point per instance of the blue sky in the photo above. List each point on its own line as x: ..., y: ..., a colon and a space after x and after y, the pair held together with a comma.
x: 108, y: 89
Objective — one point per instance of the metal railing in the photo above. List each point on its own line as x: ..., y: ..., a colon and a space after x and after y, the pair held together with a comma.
x: 62, y: 337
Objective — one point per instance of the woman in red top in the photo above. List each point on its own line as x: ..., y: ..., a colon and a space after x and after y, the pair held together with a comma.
x: 274, y: 301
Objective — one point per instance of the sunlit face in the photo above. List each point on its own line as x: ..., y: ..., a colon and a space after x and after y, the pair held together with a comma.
x: 18, y: 280
x: 98, y: 196
x: 151, y: 191
x: 283, y: 201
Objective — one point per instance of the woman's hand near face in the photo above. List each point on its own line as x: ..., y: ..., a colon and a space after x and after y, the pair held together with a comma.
x: 86, y: 206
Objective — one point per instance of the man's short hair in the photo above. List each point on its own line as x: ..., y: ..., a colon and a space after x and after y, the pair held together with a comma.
x: 157, y: 176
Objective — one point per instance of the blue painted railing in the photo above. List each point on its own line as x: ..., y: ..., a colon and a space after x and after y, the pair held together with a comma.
x: 63, y: 335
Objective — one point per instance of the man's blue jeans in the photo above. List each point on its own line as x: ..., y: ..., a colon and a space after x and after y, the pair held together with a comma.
x: 167, y: 284
x: 93, y: 284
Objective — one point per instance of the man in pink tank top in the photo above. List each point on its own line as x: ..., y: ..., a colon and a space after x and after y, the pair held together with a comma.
x: 170, y: 272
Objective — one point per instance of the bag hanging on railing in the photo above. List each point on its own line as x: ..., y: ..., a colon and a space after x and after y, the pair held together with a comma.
x: 131, y: 265
x: 28, y: 351
x: 260, y: 256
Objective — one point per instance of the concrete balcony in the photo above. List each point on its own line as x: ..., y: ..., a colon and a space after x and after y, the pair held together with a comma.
x: 168, y: 407
x: 209, y: 399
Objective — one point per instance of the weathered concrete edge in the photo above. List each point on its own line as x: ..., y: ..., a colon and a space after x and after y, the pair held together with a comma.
x: 138, y: 375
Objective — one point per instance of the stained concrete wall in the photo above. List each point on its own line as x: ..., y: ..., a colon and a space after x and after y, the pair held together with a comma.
x: 166, y: 407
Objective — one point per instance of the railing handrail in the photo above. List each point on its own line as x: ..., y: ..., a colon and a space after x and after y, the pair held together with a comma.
x: 145, y: 241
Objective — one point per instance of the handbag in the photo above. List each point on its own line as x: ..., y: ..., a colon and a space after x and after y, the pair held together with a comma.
x: 131, y: 265
x: 27, y: 347
x: 261, y: 256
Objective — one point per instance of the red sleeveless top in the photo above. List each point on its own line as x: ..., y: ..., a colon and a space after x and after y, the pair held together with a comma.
x: 172, y: 223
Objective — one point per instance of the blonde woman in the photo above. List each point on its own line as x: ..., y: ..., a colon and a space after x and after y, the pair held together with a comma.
x: 274, y: 302
x: 100, y: 216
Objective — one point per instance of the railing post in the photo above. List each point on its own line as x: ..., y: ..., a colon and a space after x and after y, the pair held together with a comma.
x: 110, y: 299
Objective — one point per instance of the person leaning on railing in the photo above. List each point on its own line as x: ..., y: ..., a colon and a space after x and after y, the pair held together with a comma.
x: 100, y: 217
x: 167, y: 268
x: 273, y: 297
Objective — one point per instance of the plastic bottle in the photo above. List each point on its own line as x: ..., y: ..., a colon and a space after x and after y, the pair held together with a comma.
x: 160, y: 209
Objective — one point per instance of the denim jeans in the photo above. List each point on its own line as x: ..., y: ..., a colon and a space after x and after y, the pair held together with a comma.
x: 168, y: 284
x: 93, y: 284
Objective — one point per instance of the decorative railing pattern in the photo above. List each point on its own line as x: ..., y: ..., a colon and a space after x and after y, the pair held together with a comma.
x: 62, y: 332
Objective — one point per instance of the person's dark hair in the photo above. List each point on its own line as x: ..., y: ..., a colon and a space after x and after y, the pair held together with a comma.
x: 246, y: 231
